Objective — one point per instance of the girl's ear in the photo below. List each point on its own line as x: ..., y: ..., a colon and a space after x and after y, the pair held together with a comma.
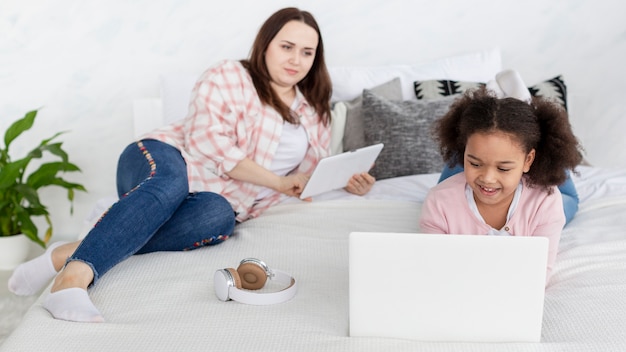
x: 530, y: 157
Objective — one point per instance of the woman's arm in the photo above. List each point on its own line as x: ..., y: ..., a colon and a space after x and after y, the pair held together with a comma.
x: 249, y: 171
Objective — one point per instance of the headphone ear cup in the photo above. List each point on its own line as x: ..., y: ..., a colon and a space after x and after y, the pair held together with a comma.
x: 235, y: 275
x: 253, y: 276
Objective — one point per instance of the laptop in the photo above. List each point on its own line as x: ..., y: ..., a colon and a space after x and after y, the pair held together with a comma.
x: 447, y: 288
x: 335, y: 171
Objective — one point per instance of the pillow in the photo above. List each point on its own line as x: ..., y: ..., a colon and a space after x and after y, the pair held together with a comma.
x: 349, y: 81
x: 337, y: 127
x: 553, y: 89
x: 405, y: 129
x: 437, y: 89
x: 354, y: 134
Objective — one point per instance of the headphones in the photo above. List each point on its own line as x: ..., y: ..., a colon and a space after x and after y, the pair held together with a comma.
x: 252, y: 274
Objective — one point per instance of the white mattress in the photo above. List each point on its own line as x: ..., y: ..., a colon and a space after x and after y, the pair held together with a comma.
x: 165, y: 301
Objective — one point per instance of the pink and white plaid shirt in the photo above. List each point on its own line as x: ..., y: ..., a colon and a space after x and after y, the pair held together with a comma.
x: 226, y: 123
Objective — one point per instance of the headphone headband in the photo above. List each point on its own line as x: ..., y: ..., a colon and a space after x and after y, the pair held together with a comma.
x: 226, y: 286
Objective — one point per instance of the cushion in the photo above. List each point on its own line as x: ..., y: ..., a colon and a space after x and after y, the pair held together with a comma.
x: 437, y: 89
x: 337, y: 127
x: 405, y: 129
x: 349, y: 81
x: 553, y: 89
x: 354, y: 134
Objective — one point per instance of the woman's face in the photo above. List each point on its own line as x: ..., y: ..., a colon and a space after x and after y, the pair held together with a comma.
x: 494, y: 164
x: 290, y: 55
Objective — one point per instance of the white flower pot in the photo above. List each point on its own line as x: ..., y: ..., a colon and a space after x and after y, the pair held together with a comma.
x: 13, y: 251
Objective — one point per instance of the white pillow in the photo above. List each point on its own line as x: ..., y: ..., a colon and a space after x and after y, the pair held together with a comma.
x: 337, y: 127
x: 349, y: 81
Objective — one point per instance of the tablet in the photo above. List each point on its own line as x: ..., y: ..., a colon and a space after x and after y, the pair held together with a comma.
x: 335, y: 171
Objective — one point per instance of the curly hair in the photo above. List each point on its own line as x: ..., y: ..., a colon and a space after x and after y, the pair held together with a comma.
x: 541, y: 125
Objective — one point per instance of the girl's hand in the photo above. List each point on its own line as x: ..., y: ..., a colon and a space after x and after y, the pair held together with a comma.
x: 360, y: 184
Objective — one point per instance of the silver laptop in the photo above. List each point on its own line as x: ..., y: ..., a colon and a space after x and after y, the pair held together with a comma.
x: 335, y: 171
x: 460, y: 288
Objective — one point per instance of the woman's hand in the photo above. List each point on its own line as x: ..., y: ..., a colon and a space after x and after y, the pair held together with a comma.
x: 292, y: 185
x: 360, y: 184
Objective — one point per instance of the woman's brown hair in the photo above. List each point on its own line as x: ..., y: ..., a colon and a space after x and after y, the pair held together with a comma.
x: 315, y: 86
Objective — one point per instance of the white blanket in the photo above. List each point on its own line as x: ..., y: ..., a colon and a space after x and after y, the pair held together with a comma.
x: 165, y: 301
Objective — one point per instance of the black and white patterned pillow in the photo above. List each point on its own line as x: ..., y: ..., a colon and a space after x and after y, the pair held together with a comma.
x: 553, y: 89
x: 436, y: 89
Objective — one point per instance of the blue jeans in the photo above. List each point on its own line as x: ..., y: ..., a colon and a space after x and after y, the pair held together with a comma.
x: 155, y: 211
x: 567, y: 188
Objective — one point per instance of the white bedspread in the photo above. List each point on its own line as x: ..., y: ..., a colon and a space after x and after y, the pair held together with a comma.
x: 165, y: 301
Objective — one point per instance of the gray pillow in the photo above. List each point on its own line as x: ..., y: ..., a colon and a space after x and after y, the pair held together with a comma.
x: 405, y: 127
x: 354, y: 134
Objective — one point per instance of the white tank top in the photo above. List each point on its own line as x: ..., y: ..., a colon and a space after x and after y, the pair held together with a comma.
x: 289, y: 154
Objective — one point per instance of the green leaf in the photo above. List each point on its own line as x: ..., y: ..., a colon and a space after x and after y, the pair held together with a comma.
x: 30, y: 194
x: 48, y: 233
x: 69, y: 185
x: 4, y: 203
x: 57, y: 150
x: 46, y: 141
x: 46, y: 173
x: 19, y: 126
x: 28, y: 228
x: 12, y: 172
x: 19, y: 197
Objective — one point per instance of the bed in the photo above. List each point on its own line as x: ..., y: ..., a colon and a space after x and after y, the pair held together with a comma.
x: 166, y: 301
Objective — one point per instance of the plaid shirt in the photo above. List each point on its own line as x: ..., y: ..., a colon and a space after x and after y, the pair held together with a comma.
x: 226, y: 123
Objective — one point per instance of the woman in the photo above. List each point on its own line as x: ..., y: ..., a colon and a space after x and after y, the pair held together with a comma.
x: 255, y: 129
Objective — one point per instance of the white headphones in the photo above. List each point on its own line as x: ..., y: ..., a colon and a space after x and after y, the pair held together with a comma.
x: 252, y: 274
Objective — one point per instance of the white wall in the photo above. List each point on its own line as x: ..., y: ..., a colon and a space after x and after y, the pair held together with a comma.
x: 84, y: 61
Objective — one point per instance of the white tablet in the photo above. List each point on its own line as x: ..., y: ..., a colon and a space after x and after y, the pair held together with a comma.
x: 335, y: 171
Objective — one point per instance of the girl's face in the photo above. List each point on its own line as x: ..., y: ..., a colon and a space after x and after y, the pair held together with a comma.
x: 494, y: 164
x: 290, y: 55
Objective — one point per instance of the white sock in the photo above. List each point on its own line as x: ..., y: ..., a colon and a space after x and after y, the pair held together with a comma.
x: 72, y: 304
x: 513, y: 85
x: 29, y: 278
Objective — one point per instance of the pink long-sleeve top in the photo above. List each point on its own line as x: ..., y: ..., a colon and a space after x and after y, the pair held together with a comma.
x: 226, y: 123
x: 446, y: 211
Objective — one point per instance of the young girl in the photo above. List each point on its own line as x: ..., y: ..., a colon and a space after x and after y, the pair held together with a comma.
x: 514, y: 152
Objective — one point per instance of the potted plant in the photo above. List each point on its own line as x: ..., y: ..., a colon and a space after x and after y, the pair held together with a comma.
x: 19, y: 185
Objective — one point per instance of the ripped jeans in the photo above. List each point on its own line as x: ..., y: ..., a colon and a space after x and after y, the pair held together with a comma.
x: 155, y: 211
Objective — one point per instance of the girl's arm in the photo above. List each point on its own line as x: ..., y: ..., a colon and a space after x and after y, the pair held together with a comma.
x: 432, y: 218
x: 550, y: 225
